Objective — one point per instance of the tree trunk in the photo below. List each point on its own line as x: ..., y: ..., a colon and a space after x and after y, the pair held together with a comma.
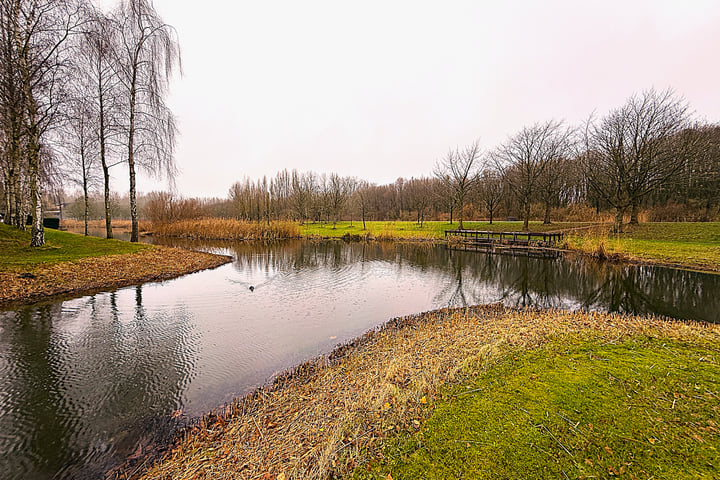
x: 17, y: 218
x: 106, y: 169
x: 460, y: 215
x: 546, y: 221
x: 363, y: 216
x: 619, y: 214
x: 87, y: 204
x: 6, y: 201
x: 491, y: 215
x: 85, y: 185
x: 451, y: 214
x: 634, y: 213
x: 37, y: 232
x: 526, y: 220
x: 134, y: 235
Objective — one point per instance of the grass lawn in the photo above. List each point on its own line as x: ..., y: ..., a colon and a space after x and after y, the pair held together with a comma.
x: 695, y: 245
x: 429, y: 230
x: 15, y: 252
x: 578, y: 407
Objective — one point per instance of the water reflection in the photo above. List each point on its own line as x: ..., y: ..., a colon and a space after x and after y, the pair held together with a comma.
x: 470, y: 278
x: 85, y: 382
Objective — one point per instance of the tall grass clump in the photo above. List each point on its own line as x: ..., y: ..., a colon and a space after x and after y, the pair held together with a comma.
x: 227, y: 229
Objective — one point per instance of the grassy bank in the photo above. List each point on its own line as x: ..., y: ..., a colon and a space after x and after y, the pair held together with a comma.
x: 578, y: 407
x: 685, y: 245
x: 429, y: 230
x: 372, y: 403
x: 71, y: 264
x: 15, y: 252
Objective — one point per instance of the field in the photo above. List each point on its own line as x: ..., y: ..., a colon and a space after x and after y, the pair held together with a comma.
x: 579, y: 407
x: 687, y: 245
x: 15, y: 252
x: 429, y: 230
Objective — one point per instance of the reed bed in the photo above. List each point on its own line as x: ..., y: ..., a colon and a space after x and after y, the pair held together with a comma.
x: 331, y: 415
x: 117, y: 225
x: 228, y: 229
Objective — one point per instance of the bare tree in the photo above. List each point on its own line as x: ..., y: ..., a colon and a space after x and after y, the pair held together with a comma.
x: 363, y: 190
x: 630, y: 151
x: 81, y: 145
x: 35, y: 72
x: 302, y: 190
x: 552, y: 182
x: 147, y: 54
x: 491, y: 190
x: 418, y: 192
x: 339, y: 190
x: 96, y: 51
x: 524, y: 157
x: 457, y: 171
x: 11, y: 113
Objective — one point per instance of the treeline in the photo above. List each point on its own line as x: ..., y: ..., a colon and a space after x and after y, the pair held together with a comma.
x: 648, y: 153
x: 81, y: 91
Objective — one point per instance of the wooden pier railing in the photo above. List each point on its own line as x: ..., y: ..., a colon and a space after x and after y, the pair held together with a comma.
x: 511, y: 238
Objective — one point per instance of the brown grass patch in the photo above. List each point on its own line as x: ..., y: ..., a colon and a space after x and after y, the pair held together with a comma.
x: 99, y: 273
x: 117, y: 225
x: 332, y: 414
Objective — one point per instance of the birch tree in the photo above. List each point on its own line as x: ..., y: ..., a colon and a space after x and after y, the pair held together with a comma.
x: 147, y: 55
x: 35, y: 35
x: 96, y: 51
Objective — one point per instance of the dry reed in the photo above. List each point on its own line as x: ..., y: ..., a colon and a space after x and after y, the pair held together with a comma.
x: 117, y: 225
x: 227, y: 229
x: 332, y: 414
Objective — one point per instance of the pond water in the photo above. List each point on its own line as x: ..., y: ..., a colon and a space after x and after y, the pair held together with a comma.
x: 83, y: 382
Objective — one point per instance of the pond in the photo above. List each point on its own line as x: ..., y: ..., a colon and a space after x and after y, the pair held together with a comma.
x: 84, y: 382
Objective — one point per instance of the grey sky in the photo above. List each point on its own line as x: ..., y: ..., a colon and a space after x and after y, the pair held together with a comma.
x: 381, y: 89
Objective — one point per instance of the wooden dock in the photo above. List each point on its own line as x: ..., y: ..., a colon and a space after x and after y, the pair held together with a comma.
x: 532, y: 244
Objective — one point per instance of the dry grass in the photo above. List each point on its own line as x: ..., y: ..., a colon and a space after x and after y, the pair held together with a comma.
x: 117, y: 225
x: 227, y: 229
x: 89, y: 274
x: 332, y: 414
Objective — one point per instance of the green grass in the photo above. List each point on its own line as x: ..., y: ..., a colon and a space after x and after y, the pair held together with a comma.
x: 429, y: 230
x: 689, y: 244
x: 574, y: 408
x: 15, y: 251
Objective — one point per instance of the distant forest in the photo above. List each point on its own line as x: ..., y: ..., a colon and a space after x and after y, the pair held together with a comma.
x: 647, y: 156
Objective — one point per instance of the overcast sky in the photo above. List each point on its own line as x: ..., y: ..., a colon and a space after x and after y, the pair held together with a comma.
x: 381, y: 89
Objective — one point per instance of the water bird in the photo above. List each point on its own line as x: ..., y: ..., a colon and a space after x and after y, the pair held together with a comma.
x: 252, y: 289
